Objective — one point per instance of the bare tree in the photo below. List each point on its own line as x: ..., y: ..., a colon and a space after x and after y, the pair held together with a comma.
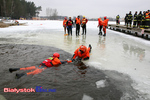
x: 12, y: 8
x: 47, y: 12
x: 55, y: 14
x: 4, y: 2
x: 51, y: 13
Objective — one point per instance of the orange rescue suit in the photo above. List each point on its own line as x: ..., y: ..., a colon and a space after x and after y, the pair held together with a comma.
x: 100, y: 22
x: 78, y: 54
x: 56, y: 61
x: 78, y: 21
x: 64, y: 22
x: 105, y: 22
x: 147, y: 15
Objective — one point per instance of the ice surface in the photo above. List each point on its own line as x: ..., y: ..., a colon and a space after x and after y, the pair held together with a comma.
x: 100, y: 84
x: 86, y: 97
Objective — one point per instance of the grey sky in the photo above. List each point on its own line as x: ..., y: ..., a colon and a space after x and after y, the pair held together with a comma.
x: 93, y: 8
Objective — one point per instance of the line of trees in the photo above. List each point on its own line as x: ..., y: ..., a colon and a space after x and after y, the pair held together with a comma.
x: 18, y: 8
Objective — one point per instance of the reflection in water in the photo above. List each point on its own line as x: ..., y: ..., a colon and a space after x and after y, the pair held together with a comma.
x: 80, y: 69
x: 68, y: 40
x: 134, y: 50
x: 77, y: 42
x: 101, y: 42
x: 83, y: 39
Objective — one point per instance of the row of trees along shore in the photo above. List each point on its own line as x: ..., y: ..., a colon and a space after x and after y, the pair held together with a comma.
x: 18, y: 8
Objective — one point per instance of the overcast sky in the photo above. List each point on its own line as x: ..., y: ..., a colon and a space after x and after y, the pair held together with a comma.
x: 93, y: 8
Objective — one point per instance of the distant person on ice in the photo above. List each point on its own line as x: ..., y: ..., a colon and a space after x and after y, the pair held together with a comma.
x: 105, y: 23
x: 126, y: 19
x: 82, y: 53
x: 130, y: 18
x: 135, y: 20
x: 64, y: 25
x: 69, y: 24
x: 84, y: 21
x: 78, y: 22
x: 50, y: 62
x: 100, y: 25
x: 117, y: 19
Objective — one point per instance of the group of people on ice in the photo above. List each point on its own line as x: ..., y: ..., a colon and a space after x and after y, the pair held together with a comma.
x: 68, y: 24
x: 140, y: 20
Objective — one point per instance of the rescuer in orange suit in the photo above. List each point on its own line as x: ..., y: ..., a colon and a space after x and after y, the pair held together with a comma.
x: 50, y: 62
x: 84, y: 21
x: 78, y: 22
x: 105, y: 22
x: 100, y: 25
x: 64, y: 24
x: 82, y: 53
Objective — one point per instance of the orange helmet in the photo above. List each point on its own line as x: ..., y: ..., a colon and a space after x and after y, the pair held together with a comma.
x: 82, y: 48
x: 56, y: 55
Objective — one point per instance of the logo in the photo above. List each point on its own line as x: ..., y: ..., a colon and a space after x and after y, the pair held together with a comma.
x: 37, y: 89
x: 40, y: 89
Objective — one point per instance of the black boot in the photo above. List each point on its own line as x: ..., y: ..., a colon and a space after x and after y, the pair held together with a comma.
x: 20, y: 75
x: 100, y: 33
x: 90, y: 47
x: 13, y: 69
x: 104, y: 34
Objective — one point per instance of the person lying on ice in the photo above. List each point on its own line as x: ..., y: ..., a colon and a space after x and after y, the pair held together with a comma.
x: 50, y: 62
x: 82, y: 53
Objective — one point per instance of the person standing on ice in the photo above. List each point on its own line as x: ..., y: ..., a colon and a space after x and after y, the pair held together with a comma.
x: 126, y: 19
x: 50, y: 62
x: 100, y: 25
x: 78, y: 22
x: 130, y: 18
x: 117, y: 19
x: 69, y: 24
x: 105, y: 23
x: 135, y: 20
x: 64, y: 25
x: 84, y: 21
x: 139, y: 19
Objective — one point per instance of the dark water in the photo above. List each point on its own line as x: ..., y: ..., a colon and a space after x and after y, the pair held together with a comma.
x: 74, y: 81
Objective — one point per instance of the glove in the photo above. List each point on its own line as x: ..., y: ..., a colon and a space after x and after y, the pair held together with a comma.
x: 69, y: 61
x: 73, y: 60
x: 90, y: 46
x: 42, y: 64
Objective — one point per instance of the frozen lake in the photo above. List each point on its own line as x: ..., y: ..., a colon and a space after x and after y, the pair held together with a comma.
x: 116, y: 52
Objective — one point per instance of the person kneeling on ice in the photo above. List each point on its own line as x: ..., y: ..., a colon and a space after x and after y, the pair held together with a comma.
x: 82, y: 53
x: 50, y: 62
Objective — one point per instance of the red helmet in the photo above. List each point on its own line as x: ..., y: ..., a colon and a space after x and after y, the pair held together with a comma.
x: 56, y: 55
x: 105, y: 17
x: 83, y: 48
